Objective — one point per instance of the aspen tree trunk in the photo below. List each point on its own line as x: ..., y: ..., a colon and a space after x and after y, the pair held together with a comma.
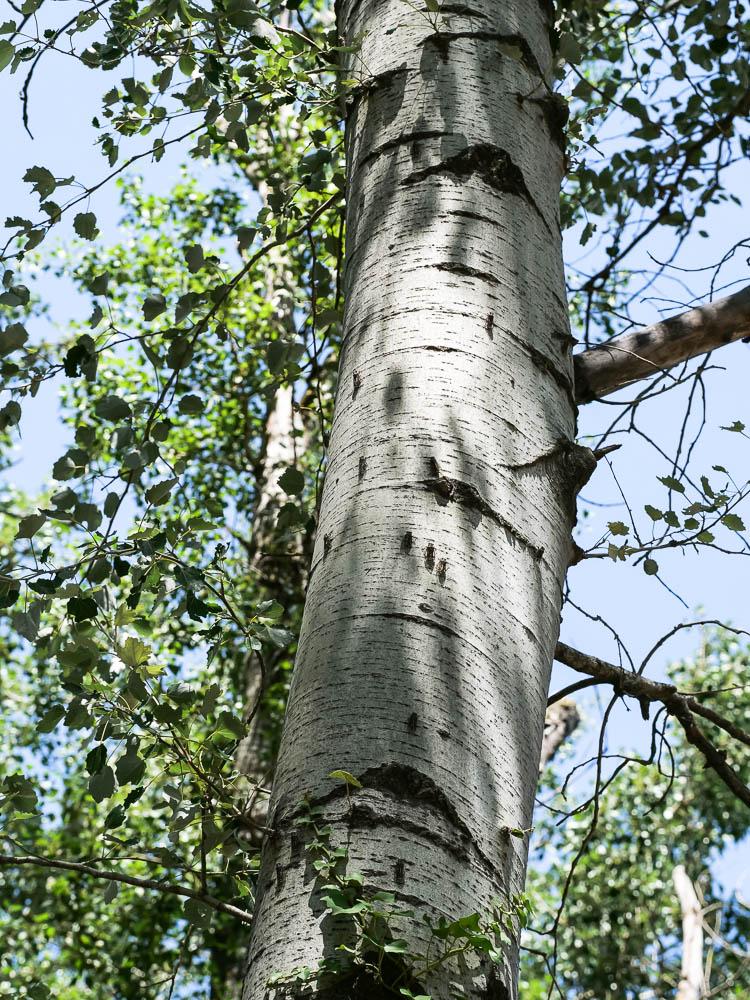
x: 436, y: 584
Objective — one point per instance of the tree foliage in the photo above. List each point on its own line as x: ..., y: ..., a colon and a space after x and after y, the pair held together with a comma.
x: 141, y: 595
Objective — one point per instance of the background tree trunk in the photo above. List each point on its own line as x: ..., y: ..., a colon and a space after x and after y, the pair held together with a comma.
x: 691, y: 986
x: 444, y: 535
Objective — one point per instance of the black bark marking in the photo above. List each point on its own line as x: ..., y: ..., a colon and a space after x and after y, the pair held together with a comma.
x: 399, y: 872
x: 443, y: 39
x: 417, y: 619
x: 405, y: 782
x: 429, y: 557
x: 466, y: 495
x: 566, y: 339
x: 280, y: 876
x: 412, y: 722
x: 489, y: 324
x: 442, y: 569
x: 362, y: 470
x: 405, y: 139
x: 442, y: 350
x: 549, y: 367
x: 472, y: 215
x: 327, y: 542
x: 356, y: 383
x: 556, y: 112
x: 489, y: 163
x: 407, y: 541
x: 461, y: 10
x: 467, y: 272
x: 380, y: 81
x: 496, y: 988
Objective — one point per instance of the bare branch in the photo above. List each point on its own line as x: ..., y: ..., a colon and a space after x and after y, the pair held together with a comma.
x: 632, y: 356
x: 679, y: 705
x: 13, y: 861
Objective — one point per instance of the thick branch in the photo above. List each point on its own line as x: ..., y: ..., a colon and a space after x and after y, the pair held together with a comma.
x: 633, y: 356
x: 13, y: 861
x: 683, y: 707
x: 691, y: 975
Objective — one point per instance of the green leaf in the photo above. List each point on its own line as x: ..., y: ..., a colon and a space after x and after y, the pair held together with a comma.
x: 338, y: 904
x: 96, y: 758
x: 85, y: 225
x: 6, y: 53
x: 134, y: 653
x: 653, y: 512
x: 179, y: 353
x: 42, y: 181
x: 198, y: 913
x: 110, y: 892
x: 673, y: 484
x: 397, y: 947
x: 153, y: 306
x: 112, y: 407
x: 189, y: 404
x: 13, y: 337
x: 102, y: 784
x: 340, y: 775
x: 292, y: 481
x: 82, y: 608
x: 738, y: 427
x: 28, y: 526
x: 734, y: 522
x: 115, y: 818
x: 159, y: 492
x: 130, y: 768
x: 194, y: 257
x: 569, y: 48
x: 50, y: 719
x: 618, y: 528
x: 650, y: 567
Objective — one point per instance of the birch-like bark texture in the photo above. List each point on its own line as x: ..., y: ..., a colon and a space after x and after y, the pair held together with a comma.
x: 632, y: 356
x: 691, y: 985
x: 444, y: 534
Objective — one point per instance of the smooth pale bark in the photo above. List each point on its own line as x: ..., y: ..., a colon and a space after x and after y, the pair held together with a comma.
x: 444, y: 534
x: 633, y: 356
x: 692, y: 986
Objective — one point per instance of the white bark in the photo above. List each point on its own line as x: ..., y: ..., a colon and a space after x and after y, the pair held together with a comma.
x: 444, y: 536
x: 692, y: 985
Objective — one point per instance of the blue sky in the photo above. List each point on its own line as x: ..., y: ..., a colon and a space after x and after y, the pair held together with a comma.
x: 64, y: 97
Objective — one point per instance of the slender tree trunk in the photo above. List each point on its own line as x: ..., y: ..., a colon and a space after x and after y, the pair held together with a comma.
x: 444, y: 535
x: 691, y: 986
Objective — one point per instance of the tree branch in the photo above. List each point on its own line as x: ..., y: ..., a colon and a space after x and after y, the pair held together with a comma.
x: 681, y: 706
x: 561, y: 720
x: 632, y: 356
x: 13, y: 861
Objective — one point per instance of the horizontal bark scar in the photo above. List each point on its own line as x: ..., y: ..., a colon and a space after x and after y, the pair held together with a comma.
x: 467, y: 272
x: 405, y: 139
x: 491, y: 164
x: 523, y: 51
x: 466, y: 495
